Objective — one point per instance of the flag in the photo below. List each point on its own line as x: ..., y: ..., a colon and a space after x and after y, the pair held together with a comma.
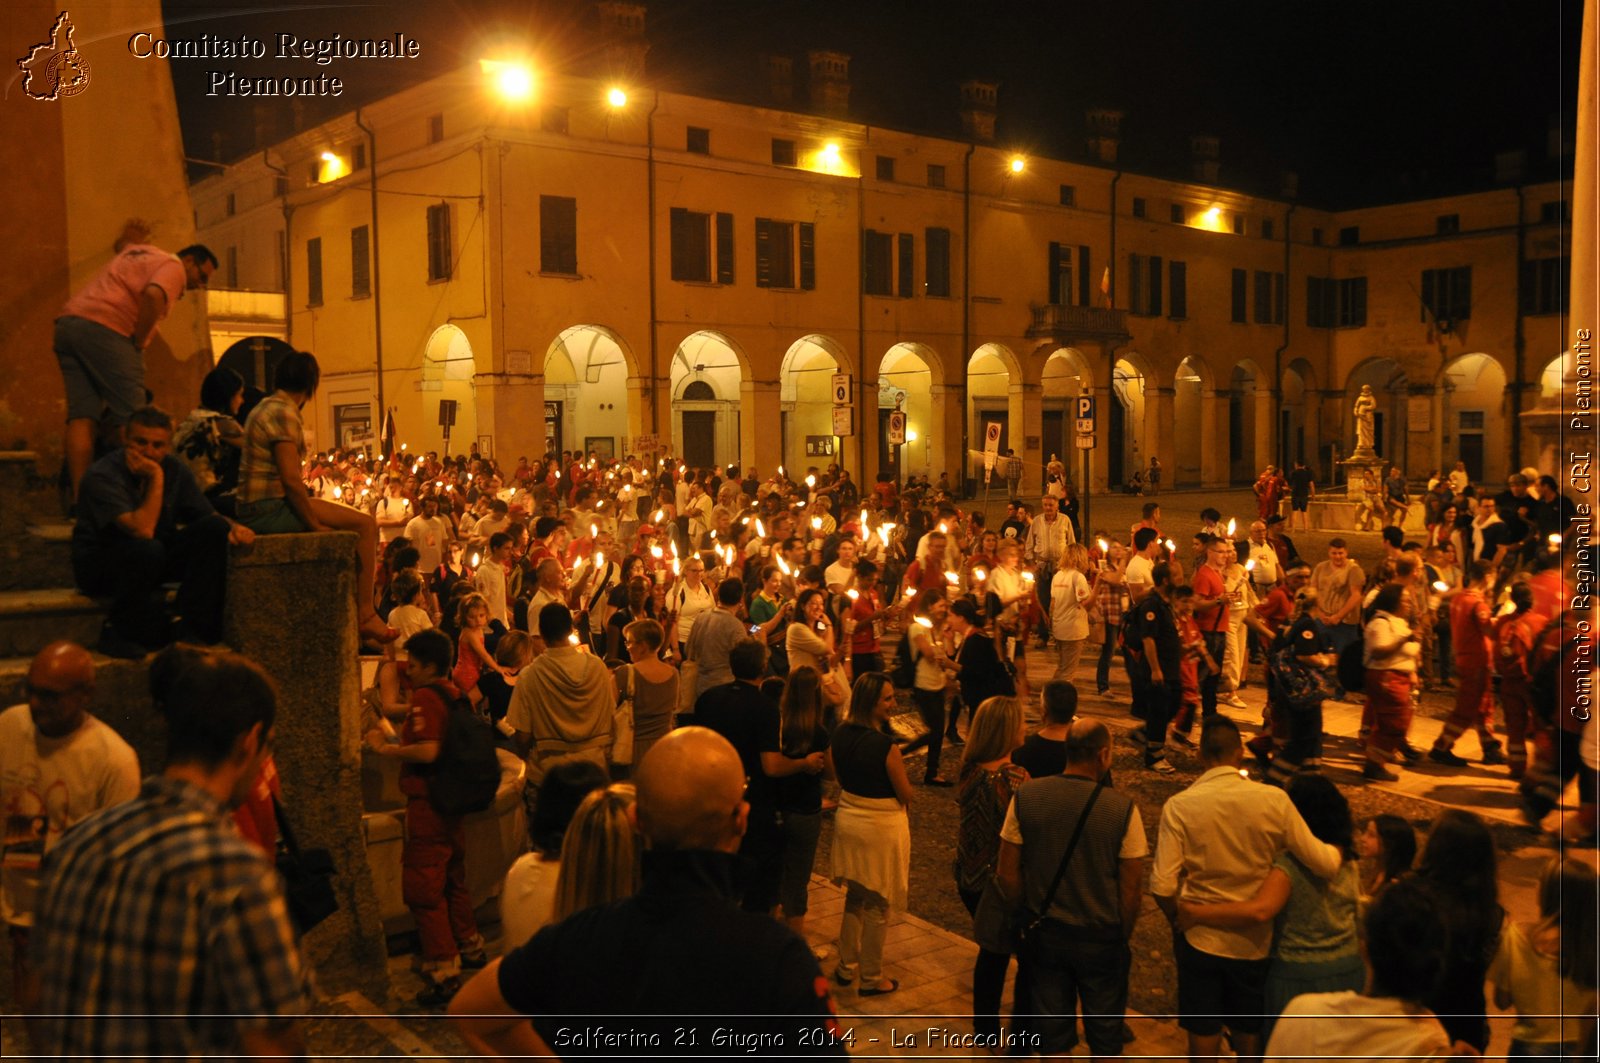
x: 1105, y: 287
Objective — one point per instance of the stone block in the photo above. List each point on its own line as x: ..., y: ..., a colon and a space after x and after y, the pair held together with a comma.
x: 291, y: 608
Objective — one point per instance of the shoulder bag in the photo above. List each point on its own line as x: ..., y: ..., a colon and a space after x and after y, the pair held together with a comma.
x: 622, y: 719
x: 1029, y: 921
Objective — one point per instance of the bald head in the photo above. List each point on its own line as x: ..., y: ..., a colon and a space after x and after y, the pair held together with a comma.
x: 1087, y: 738
x: 691, y: 792
x: 60, y: 688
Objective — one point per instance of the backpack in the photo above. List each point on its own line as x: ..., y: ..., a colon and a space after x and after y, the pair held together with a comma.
x: 1352, y: 670
x: 904, y: 673
x: 466, y: 775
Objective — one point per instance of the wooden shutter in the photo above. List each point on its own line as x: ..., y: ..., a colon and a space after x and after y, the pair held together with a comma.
x: 724, y: 248
x: 1085, y: 285
x: 763, y: 253
x: 907, y: 264
x: 808, y: 256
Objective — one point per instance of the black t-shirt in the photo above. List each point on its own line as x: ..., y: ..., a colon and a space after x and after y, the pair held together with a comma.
x: 738, y: 712
x: 1506, y: 504
x: 1153, y: 619
x: 1014, y: 529
x: 676, y: 970
x: 109, y: 490
x: 861, y: 760
x: 1042, y: 757
x: 802, y: 791
x: 1300, y: 483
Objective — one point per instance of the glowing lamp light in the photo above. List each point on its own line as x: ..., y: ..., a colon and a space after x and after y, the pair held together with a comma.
x: 1231, y: 526
x: 951, y: 578
x: 811, y: 481
x: 1250, y: 565
x: 944, y: 528
x: 911, y: 434
x: 1554, y: 539
x: 402, y: 446
x: 923, y: 621
x: 979, y: 575
x: 816, y: 522
x: 910, y: 591
x: 513, y: 81
x: 572, y: 638
x: 1171, y: 546
x: 783, y: 566
x: 476, y: 557
x: 657, y: 553
x: 1441, y: 586
x: 1018, y: 164
x: 830, y: 151
x: 1027, y: 577
x: 853, y: 594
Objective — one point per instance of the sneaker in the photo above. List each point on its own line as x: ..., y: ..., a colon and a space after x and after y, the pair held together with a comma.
x: 1181, y: 738
x: 1235, y: 701
x: 1447, y: 758
x: 474, y: 960
x: 1410, y: 753
x: 1378, y: 773
x: 439, y: 993
x: 1136, y: 736
x: 1103, y: 691
x: 1163, y: 766
x: 1494, y: 754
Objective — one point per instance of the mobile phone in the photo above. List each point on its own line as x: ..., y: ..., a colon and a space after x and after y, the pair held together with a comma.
x: 755, y: 629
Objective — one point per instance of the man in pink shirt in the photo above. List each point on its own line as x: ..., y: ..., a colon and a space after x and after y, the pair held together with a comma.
x: 103, y: 330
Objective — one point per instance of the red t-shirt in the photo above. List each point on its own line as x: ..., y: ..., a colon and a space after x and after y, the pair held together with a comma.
x: 1471, y: 628
x: 1276, y: 610
x: 1207, y: 583
x: 424, y: 723
x: 924, y: 578
x: 1189, y: 663
x: 865, y: 639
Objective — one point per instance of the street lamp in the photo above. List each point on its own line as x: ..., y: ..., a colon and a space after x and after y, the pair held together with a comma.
x: 617, y: 98
x: 512, y: 80
x: 1018, y: 164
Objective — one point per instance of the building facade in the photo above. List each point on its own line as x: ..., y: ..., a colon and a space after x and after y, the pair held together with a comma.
x: 576, y: 269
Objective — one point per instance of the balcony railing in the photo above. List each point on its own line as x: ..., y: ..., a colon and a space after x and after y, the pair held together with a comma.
x: 1063, y: 323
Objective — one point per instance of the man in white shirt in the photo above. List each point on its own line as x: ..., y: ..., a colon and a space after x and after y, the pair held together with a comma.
x: 392, y: 511
x: 58, y: 764
x: 430, y: 534
x: 841, y: 575
x: 1266, y: 572
x: 1047, y: 539
x: 1146, y: 549
x: 1217, y: 843
x: 490, y: 579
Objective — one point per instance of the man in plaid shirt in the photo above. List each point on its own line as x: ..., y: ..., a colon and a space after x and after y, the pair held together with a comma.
x: 161, y: 931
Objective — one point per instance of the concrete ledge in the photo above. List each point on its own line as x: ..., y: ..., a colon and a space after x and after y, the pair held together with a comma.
x: 291, y: 608
x: 1339, y: 515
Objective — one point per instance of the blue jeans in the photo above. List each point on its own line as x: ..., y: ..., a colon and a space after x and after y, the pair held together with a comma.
x: 1068, y: 967
x: 1102, y: 671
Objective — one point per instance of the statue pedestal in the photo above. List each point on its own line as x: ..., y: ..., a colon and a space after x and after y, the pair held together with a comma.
x: 1357, y: 464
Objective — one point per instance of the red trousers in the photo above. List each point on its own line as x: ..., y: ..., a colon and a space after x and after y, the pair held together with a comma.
x: 1389, y: 699
x: 433, y: 880
x: 1521, y: 724
x: 1474, y: 708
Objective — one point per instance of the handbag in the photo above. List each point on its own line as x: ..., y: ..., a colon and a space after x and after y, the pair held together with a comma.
x: 835, y: 691
x: 307, y: 877
x: 622, y: 721
x: 1029, y: 921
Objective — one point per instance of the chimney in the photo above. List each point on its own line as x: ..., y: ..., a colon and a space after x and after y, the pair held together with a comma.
x: 1104, y: 126
x: 978, y: 99
x: 780, y: 79
x: 1204, y: 150
x: 830, y: 82
x: 622, y: 37
x: 1289, y: 184
x: 1509, y: 167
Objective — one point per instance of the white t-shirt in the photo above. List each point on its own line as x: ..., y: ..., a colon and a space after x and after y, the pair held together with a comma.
x: 1069, y: 621
x: 391, y: 509
x: 528, y: 899
x: 408, y: 620
x: 689, y: 604
x: 1138, y: 576
x: 839, y: 574
x: 1319, y: 1026
x: 429, y: 537
x: 46, y: 786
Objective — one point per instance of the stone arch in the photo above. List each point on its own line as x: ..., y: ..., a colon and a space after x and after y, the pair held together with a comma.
x: 909, y: 373
x: 993, y: 372
x: 705, y: 431
x: 1126, y: 436
x: 1550, y: 377
x: 1299, y: 438
x: 805, y: 398
x: 1473, y: 417
x: 1389, y: 382
x: 586, y: 394
x: 1193, y: 388
x: 449, y: 365
x: 1249, y: 421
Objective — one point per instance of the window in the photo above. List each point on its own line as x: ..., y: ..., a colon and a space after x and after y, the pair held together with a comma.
x: 553, y: 119
x: 1144, y: 285
x: 1544, y: 285
x: 936, y: 262
x: 786, y: 253
x: 1138, y: 206
x: 1239, y: 297
x: 230, y: 207
x: 1069, y: 195
x: 782, y: 152
x: 698, y: 140
x: 1472, y: 420
x: 1176, y: 213
x: 1555, y: 210
x: 1447, y: 294
x: 1320, y: 306
x: 1269, y: 298
x: 1178, y: 287
x: 935, y: 175
x: 439, y: 247
x: 691, y: 236
x: 314, y: 271
x: 888, y: 263
x: 358, y: 157
x: 232, y: 269
x: 558, y: 235
x: 885, y: 168
x: 1447, y: 224
x: 1316, y: 236
x: 1352, y: 302
x: 360, y: 263
x: 1062, y: 272
x: 1266, y: 228
x: 1238, y: 224
x: 435, y: 128
x: 1349, y: 236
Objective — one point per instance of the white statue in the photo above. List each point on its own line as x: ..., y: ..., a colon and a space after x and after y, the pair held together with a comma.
x: 1366, y: 402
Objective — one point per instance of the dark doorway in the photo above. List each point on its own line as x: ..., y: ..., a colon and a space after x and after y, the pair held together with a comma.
x: 1055, y: 442
x: 1470, y: 451
x: 552, y: 428
x: 699, y: 438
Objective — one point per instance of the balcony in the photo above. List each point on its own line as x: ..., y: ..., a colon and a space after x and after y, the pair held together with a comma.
x: 1067, y: 325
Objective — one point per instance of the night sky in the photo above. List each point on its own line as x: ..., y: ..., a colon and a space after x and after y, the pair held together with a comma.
x: 1367, y: 100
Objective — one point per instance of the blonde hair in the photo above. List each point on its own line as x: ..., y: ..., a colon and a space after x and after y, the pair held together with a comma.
x: 993, y: 732
x: 468, y: 604
x: 599, y: 854
x: 1077, y: 556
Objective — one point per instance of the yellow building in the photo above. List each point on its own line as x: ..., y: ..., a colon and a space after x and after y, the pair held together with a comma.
x: 577, y: 262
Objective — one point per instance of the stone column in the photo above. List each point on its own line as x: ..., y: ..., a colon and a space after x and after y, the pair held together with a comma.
x: 638, y: 396
x: 1158, y: 434
x: 511, y: 411
x: 760, y: 440
x: 1421, y: 448
x: 1214, y: 438
x: 1265, y: 416
x: 942, y: 437
x: 1027, y: 423
x: 291, y: 609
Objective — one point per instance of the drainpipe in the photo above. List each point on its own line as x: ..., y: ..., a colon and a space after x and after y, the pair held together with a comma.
x: 650, y: 225
x: 966, y: 306
x: 1277, y: 355
x: 861, y: 304
x: 377, y: 288
x: 1519, y: 340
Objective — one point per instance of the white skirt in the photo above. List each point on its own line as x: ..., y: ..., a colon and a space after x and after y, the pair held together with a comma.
x: 872, y: 846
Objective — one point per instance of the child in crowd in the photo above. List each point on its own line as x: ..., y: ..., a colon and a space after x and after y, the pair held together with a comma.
x: 472, y: 657
x: 1387, y: 848
x: 1194, y: 652
x: 1546, y: 968
x: 409, y: 614
x: 512, y: 653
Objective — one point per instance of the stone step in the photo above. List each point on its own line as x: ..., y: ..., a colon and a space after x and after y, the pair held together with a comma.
x: 32, y: 619
x: 18, y: 471
x: 41, y: 557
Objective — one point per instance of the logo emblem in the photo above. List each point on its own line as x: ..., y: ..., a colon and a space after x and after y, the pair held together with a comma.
x: 55, y: 69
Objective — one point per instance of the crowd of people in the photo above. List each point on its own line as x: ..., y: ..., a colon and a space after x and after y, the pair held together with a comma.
x: 699, y: 665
